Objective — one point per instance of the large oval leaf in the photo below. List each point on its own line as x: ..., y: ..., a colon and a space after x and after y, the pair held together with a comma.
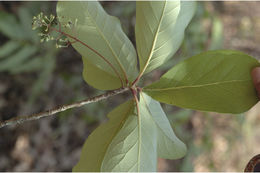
x: 98, y: 78
x: 142, y: 139
x: 217, y: 81
x: 87, y: 21
x: 96, y: 145
x: 169, y: 146
x: 159, y: 30
x: 134, y: 149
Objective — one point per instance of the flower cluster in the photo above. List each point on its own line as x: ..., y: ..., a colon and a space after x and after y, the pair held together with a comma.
x: 46, y: 24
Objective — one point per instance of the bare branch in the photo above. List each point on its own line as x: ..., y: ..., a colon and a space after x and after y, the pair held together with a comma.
x: 22, y: 119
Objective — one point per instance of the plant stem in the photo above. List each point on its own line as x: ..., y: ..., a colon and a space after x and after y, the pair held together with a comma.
x: 22, y: 119
x: 93, y: 50
x: 136, y: 101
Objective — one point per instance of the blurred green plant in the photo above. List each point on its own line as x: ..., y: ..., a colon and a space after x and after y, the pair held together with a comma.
x: 22, y: 52
x: 200, y: 37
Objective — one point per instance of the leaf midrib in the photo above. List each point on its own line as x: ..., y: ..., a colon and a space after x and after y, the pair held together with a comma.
x: 153, y: 118
x: 196, y: 86
x: 139, y: 140
x: 154, y: 40
x: 121, y: 124
x: 102, y: 35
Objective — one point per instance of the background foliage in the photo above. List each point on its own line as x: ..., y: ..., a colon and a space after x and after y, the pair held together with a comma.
x: 35, y: 77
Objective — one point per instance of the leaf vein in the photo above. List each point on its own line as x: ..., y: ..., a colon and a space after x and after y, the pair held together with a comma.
x: 196, y: 86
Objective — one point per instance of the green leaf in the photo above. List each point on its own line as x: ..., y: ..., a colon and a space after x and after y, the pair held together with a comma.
x: 25, y: 18
x: 46, y: 69
x: 134, y: 148
x: 217, y: 81
x: 33, y: 64
x: 98, y: 78
x: 18, y: 58
x: 169, y: 146
x: 97, y: 144
x: 216, y: 34
x: 8, y: 48
x: 159, y: 30
x: 10, y: 27
x: 102, y: 32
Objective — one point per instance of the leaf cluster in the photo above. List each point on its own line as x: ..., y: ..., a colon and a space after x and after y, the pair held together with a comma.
x: 138, y: 130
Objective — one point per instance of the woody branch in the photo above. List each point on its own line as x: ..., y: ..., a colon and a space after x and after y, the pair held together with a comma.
x: 22, y: 119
